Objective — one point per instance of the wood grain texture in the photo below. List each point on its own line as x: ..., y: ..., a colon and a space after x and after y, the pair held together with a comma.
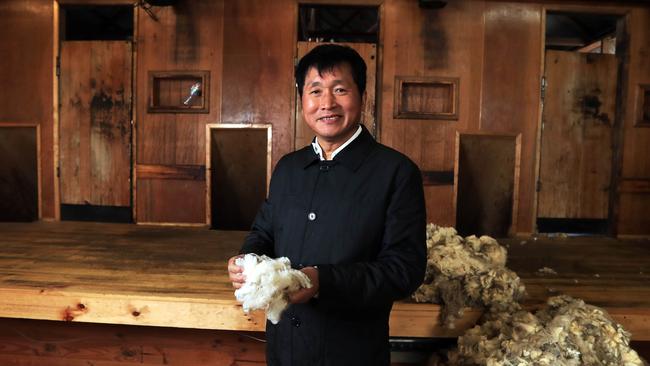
x: 486, y: 184
x: 511, y: 87
x: 95, y: 123
x: 634, y: 208
x: 431, y: 43
x: 37, y: 343
x: 171, y: 200
x: 141, y: 275
x: 576, y: 143
x: 26, y: 43
x: 258, y: 85
x: 367, y: 51
x: 186, y: 37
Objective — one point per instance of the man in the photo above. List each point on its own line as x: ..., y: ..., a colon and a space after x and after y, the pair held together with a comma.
x: 349, y: 212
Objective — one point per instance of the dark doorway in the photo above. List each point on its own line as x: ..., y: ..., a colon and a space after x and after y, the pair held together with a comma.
x: 238, y: 175
x: 18, y: 174
x: 486, y: 184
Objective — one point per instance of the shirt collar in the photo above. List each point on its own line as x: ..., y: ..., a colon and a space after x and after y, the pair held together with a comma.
x: 352, y: 156
x: 319, y: 151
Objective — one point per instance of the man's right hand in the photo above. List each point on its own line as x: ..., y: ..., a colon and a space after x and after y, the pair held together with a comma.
x: 235, y: 272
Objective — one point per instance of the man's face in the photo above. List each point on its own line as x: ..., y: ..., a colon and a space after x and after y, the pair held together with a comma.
x: 331, y: 104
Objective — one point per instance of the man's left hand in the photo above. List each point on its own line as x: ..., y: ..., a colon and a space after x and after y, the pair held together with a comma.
x: 305, y: 294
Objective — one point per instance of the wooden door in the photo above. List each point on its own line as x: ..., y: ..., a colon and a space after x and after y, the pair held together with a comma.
x: 367, y: 51
x: 95, y: 123
x: 576, y: 140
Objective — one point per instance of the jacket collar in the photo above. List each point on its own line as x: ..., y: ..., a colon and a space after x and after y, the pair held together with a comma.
x: 352, y: 156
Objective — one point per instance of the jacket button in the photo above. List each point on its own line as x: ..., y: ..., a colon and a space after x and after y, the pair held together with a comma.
x: 311, y: 216
x: 295, y: 321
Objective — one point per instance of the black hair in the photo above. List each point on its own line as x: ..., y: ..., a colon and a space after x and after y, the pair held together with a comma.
x: 325, y: 58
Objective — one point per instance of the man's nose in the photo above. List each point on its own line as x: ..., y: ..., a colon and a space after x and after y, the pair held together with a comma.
x: 328, y: 101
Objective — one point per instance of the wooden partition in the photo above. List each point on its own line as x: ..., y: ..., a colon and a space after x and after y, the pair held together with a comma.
x: 239, y: 172
x: 19, y: 172
x: 487, y: 189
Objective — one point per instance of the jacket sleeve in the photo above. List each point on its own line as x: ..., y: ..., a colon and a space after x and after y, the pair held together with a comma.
x: 401, y: 262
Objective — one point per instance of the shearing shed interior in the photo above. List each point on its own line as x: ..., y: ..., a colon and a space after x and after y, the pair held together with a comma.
x: 138, y: 139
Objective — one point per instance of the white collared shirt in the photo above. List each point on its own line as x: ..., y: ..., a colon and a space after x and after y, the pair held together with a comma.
x: 319, y: 151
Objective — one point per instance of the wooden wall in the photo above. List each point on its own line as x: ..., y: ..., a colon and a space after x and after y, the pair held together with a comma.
x: 634, y: 186
x: 493, y: 47
x: 26, y: 78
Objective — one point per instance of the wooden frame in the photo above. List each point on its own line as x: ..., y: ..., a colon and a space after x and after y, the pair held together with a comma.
x: 155, y: 77
x: 643, y: 106
x: 208, y: 167
x: 401, y: 82
x: 55, y: 110
x: 516, y: 174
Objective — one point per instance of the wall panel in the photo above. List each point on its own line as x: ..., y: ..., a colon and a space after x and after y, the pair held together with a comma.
x: 26, y: 46
x: 445, y: 42
x: 634, y: 207
x: 185, y: 37
x: 258, y: 86
x: 511, y: 88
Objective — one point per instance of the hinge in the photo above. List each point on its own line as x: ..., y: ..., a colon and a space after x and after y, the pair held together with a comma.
x: 58, y: 65
x: 538, y: 186
x: 58, y: 171
x: 543, y: 88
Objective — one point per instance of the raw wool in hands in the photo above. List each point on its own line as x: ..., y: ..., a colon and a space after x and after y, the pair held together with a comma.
x: 268, y: 283
x: 466, y: 272
x: 567, y: 332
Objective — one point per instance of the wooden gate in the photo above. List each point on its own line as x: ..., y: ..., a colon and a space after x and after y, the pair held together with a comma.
x: 95, y: 123
x: 367, y: 51
x: 576, y: 140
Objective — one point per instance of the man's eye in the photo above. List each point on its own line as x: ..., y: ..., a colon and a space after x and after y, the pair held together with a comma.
x: 339, y: 90
x: 314, y: 92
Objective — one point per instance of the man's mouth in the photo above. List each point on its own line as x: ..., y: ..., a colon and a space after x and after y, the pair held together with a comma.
x: 329, y: 118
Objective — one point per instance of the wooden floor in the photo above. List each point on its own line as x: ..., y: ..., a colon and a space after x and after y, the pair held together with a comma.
x: 176, y: 277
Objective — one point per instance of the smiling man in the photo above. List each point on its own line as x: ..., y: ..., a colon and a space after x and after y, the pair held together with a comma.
x: 349, y: 212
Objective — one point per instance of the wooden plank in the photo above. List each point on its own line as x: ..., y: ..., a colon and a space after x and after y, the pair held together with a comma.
x: 368, y: 52
x: 28, y: 342
x: 629, y: 185
x: 576, y: 154
x: 120, y: 274
x: 95, y: 120
x: 171, y: 201
x: 635, y: 141
x: 634, y: 217
x: 181, y: 172
x: 510, y: 89
x: 258, y: 51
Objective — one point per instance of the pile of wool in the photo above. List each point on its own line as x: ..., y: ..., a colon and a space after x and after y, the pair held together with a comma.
x: 567, y: 332
x: 267, y: 284
x: 464, y: 272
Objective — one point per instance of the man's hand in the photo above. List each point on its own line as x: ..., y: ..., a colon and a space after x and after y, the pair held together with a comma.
x: 235, y: 272
x: 305, y: 294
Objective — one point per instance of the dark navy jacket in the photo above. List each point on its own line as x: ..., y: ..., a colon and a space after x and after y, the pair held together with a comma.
x: 360, y: 218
